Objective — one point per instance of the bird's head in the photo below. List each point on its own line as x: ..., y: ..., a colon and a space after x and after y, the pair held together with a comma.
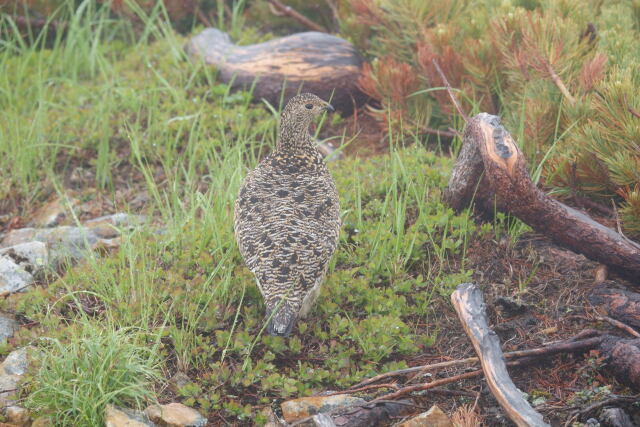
x: 305, y: 107
x: 296, y: 118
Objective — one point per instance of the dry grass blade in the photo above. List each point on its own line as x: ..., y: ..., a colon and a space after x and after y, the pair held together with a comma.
x: 449, y: 90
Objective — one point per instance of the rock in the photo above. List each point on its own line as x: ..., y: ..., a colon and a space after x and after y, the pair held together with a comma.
x: 107, y: 227
x: 272, y: 418
x: 8, y: 326
x: 511, y: 306
x: 32, y: 256
x: 175, y: 415
x: 13, y: 278
x: 178, y: 381
x: 121, y: 417
x: 592, y: 422
x: 434, y: 417
x: 296, y: 409
x: 52, y: 214
x: 42, y: 422
x: 63, y: 242
x: 615, y: 417
x: 17, y: 236
x: 14, y: 366
x: 18, y: 416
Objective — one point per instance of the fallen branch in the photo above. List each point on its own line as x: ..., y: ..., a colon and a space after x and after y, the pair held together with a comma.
x: 426, y: 386
x: 568, y: 346
x: 276, y: 70
x: 469, y: 304
x: 291, y: 12
x: 491, y: 172
x: 620, y: 325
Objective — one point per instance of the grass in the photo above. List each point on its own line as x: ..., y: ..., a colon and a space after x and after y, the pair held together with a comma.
x: 126, y: 105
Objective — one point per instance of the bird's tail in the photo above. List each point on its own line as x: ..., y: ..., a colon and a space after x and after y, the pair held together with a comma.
x: 282, y: 320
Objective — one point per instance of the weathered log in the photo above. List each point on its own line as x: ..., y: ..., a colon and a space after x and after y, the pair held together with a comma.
x: 491, y: 172
x: 320, y: 63
x: 469, y: 304
x: 623, y: 359
x: 619, y: 304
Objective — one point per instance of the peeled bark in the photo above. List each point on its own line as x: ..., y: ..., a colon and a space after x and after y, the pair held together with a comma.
x: 469, y: 304
x: 491, y: 172
x: 278, y: 69
x: 619, y: 304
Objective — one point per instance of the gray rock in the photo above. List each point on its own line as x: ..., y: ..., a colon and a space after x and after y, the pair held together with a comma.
x: 13, y: 277
x: 14, y: 366
x: 297, y: 409
x: 108, y: 227
x: 175, y: 415
x: 15, y: 237
x: 8, y: 326
x: 32, y: 256
x: 122, y: 417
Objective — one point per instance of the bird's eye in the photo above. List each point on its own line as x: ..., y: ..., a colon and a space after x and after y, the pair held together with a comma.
x: 309, y: 106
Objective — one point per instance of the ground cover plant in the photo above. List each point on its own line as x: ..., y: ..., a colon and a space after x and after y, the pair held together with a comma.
x: 110, y: 115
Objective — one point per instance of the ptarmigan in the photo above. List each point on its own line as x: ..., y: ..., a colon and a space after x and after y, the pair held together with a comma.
x: 287, y: 218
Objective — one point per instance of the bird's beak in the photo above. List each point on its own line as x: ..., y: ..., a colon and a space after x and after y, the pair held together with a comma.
x: 329, y: 107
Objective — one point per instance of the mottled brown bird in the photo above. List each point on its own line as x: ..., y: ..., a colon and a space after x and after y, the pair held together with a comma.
x: 287, y: 218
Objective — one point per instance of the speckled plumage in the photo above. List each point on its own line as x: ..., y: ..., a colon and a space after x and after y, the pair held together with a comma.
x: 287, y: 218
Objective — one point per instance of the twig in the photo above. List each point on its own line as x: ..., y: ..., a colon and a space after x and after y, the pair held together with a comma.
x: 619, y: 324
x: 449, y: 90
x: 288, y: 10
x: 365, y: 388
x: 558, y: 82
x: 426, y: 386
x: 634, y: 112
x: 559, y: 347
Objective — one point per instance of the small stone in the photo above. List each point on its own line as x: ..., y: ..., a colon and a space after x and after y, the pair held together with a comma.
x: 8, y: 326
x: 121, y: 417
x: 16, y: 362
x: 178, y: 381
x: 52, y: 214
x: 18, y: 416
x: 32, y: 256
x: 12, y: 368
x: 434, y: 417
x: 175, y: 415
x: 297, y: 409
x: 42, y: 422
x: 13, y: 278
